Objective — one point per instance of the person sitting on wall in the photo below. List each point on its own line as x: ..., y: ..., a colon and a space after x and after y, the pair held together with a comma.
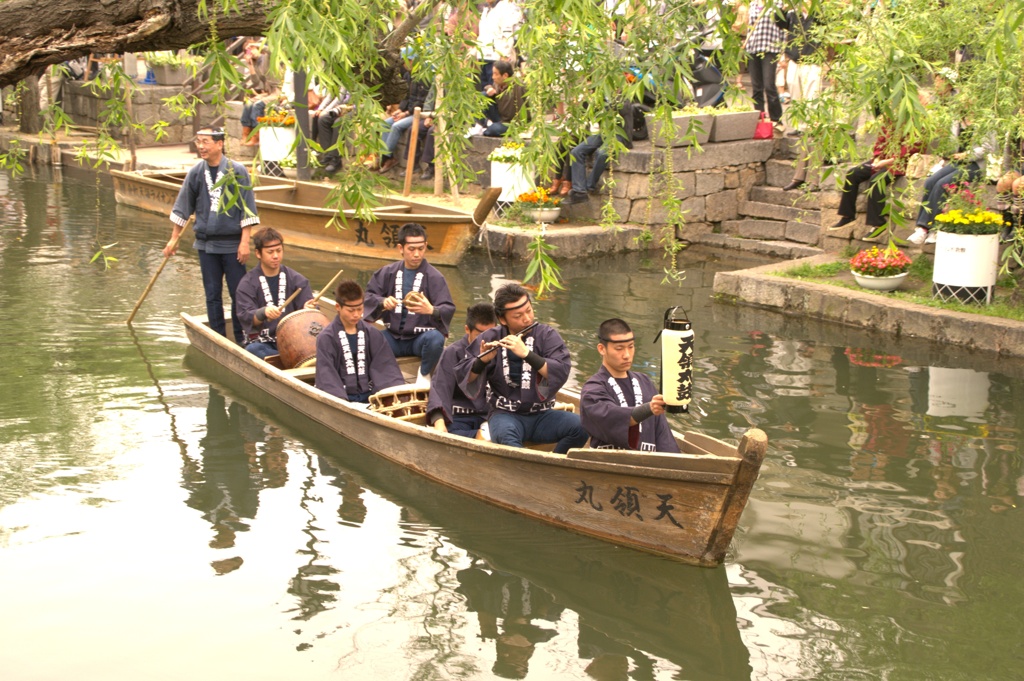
x: 353, y: 361
x: 619, y: 408
x: 448, y: 408
x: 262, y: 291
x: 525, y: 364
x: 888, y: 161
x: 508, y: 98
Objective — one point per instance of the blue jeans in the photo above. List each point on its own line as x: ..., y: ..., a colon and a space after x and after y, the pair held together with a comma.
x: 591, y: 145
x: 251, y: 111
x: 217, y: 268
x: 394, y: 133
x: 427, y: 346
x: 262, y: 350
x: 562, y: 427
x: 496, y: 130
x: 935, y: 189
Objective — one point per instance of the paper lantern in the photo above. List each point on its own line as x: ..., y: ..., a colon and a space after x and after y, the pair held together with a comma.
x: 677, y: 360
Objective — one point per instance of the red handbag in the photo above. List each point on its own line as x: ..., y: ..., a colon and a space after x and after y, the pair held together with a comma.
x: 764, y: 129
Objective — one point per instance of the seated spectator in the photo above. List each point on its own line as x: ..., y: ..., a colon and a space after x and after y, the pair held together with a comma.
x: 255, y: 108
x: 888, y: 160
x: 968, y: 165
x: 353, y: 361
x: 507, y: 98
x: 324, y: 129
x: 499, y: 21
x: 582, y: 184
x: 401, y: 120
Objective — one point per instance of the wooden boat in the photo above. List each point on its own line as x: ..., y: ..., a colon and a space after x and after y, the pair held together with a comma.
x: 685, y: 506
x: 296, y: 209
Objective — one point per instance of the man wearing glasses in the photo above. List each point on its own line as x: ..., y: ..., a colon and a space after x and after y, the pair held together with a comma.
x: 448, y: 409
x: 411, y: 298
x: 219, y: 193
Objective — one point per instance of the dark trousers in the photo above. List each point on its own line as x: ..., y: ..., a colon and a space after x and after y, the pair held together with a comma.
x: 326, y: 134
x: 217, y: 268
x: 466, y: 425
x: 761, y: 68
x: 935, y: 189
x: 876, y: 193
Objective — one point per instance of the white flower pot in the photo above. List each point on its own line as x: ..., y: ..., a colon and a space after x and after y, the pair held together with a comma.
x: 889, y: 283
x: 966, y: 266
x: 276, y: 143
x: 544, y: 214
x: 513, y: 178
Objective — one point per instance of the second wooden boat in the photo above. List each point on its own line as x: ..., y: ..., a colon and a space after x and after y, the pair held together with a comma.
x: 296, y: 209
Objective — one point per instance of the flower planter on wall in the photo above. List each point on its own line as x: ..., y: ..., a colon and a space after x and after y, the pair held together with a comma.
x: 166, y: 74
x: 544, y: 214
x: 679, y: 134
x: 276, y: 143
x: 513, y: 178
x: 728, y: 127
x: 966, y: 267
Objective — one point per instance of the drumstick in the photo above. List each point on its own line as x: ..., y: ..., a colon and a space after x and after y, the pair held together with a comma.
x: 520, y: 334
x: 328, y: 287
x: 149, y: 287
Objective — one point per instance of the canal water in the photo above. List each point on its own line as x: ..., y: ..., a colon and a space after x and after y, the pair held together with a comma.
x: 160, y: 521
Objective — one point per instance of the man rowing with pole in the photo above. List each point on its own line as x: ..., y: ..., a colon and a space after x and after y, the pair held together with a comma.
x: 411, y: 298
x: 263, y: 291
x: 619, y: 408
x: 222, y: 234
x: 448, y: 408
x: 525, y: 363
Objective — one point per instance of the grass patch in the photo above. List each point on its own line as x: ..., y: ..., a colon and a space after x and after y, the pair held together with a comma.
x: 917, y: 289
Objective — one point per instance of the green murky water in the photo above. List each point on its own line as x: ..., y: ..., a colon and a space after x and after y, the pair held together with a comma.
x: 159, y: 521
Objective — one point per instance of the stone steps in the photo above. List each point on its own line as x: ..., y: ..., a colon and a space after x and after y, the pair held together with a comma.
x: 758, y: 209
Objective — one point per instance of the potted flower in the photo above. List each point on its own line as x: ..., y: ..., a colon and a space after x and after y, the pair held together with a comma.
x: 731, y: 123
x: 277, y: 133
x: 509, y: 172
x: 966, y: 254
x: 880, y: 269
x: 171, y: 68
x: 690, y: 125
x: 539, y: 205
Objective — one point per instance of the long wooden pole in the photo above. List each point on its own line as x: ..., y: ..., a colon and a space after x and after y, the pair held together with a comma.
x: 410, y: 162
x: 149, y: 286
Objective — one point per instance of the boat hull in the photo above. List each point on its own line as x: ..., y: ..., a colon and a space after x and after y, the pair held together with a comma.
x: 683, y: 506
x: 296, y: 209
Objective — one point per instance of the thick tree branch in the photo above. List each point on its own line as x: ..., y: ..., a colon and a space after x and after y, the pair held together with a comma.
x: 37, y: 33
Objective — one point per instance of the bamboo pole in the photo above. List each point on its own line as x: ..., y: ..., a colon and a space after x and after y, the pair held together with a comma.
x: 410, y: 161
x: 149, y: 286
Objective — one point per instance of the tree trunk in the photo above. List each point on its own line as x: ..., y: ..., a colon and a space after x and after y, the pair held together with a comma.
x: 31, y: 122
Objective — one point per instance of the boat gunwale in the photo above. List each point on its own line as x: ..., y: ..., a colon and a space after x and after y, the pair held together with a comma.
x: 481, y: 447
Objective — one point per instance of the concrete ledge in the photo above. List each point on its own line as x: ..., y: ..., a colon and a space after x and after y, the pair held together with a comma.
x: 761, y: 287
x: 571, y: 241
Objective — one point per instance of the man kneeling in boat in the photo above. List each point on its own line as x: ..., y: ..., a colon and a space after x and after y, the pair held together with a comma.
x: 448, y: 408
x: 264, y: 289
x: 524, y: 374
x: 353, y: 361
x: 621, y: 409
x: 411, y: 297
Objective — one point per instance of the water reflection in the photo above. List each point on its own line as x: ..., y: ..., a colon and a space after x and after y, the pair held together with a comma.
x: 238, y: 459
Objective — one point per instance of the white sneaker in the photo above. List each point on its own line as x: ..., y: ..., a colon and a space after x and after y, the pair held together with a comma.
x: 918, y: 237
x: 477, y: 129
x: 421, y: 380
x: 932, y: 236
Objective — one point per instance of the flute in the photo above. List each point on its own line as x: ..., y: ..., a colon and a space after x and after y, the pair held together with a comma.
x: 520, y: 334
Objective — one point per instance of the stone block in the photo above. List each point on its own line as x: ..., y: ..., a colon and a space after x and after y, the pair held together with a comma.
x: 693, y: 231
x: 709, y: 182
x: 779, y: 173
x: 693, y: 209
x: 803, y: 232
x: 773, y: 212
x: 638, y: 160
x: 723, y: 205
x: 797, y: 199
x: 834, y: 244
x: 732, y: 179
x: 761, y: 229
x: 721, y: 155
x: 748, y: 179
